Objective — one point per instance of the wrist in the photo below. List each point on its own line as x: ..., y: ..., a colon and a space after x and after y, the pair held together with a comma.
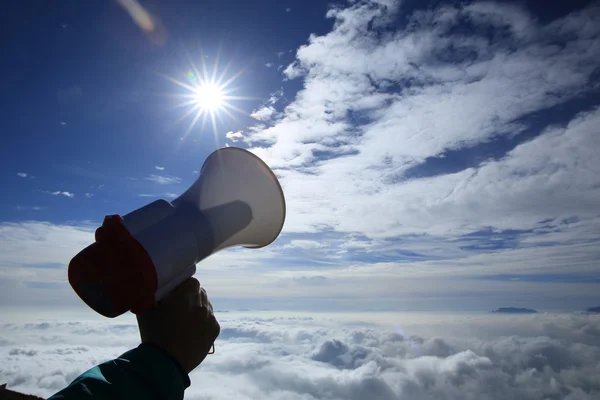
x: 184, y: 374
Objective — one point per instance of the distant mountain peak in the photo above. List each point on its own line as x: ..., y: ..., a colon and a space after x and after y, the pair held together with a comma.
x: 514, y: 310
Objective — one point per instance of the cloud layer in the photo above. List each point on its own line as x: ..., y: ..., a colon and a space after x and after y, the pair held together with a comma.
x: 436, y: 158
x: 415, y: 356
x: 380, y: 108
x: 163, y: 179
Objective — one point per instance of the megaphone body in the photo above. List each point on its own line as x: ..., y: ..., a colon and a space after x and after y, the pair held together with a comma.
x: 141, y: 257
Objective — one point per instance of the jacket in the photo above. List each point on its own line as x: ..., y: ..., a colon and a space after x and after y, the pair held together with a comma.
x: 146, y: 372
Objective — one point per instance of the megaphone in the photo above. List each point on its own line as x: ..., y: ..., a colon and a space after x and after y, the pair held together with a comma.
x: 141, y: 257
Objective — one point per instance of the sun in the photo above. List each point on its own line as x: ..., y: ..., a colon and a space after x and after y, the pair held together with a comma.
x: 208, y: 94
x: 210, y: 97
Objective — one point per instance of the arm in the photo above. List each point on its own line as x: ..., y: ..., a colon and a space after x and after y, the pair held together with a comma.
x: 146, y: 372
x: 176, y: 337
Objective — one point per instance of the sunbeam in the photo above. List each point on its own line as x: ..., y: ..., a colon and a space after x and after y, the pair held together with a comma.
x: 208, y: 94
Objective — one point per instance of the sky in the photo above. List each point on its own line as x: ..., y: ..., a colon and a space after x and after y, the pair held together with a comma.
x: 433, y: 155
x: 438, y: 159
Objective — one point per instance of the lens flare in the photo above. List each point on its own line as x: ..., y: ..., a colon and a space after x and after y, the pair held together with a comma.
x: 148, y: 23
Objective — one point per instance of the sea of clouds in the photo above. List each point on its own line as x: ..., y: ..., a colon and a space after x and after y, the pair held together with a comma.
x: 384, y: 356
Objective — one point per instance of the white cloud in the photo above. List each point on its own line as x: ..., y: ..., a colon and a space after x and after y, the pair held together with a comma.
x: 376, y: 105
x: 293, y: 271
x: 163, y: 179
x: 61, y: 193
x: 267, y: 112
x: 268, y: 65
x: 53, y: 244
x: 303, y: 244
x: 32, y: 208
x: 264, y: 113
x: 288, y: 9
x: 234, y: 136
x: 275, y: 97
x: 158, y: 168
x: 34, y: 258
x: 21, y: 174
x: 146, y: 195
x: 170, y: 195
x: 354, y: 356
x: 89, y: 195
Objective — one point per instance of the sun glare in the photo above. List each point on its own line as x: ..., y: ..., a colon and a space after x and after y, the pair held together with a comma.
x: 208, y: 95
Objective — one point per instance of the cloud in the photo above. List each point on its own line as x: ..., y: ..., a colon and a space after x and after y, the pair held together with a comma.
x: 283, y: 356
x: 234, y: 136
x: 264, y: 113
x: 267, y: 113
x: 269, y: 65
x: 146, y: 195
x: 39, y: 277
x: 89, y: 195
x: 164, y: 179
x: 275, y: 97
x: 347, y: 147
x: 158, y: 168
x: 310, y: 280
x: 303, y: 244
x: 171, y: 195
x: 22, y: 175
x: 61, y: 193
x: 377, y: 274
x: 288, y: 10
x: 32, y: 208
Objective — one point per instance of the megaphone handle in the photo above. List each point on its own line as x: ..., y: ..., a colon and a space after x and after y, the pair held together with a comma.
x: 164, y: 291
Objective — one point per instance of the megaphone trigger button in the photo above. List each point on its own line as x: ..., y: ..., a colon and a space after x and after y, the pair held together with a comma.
x: 112, y: 229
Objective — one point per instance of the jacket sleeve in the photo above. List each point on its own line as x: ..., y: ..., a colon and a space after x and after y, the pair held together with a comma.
x: 146, y: 372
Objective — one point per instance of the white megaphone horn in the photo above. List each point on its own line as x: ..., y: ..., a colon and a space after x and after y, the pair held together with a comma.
x: 139, y: 258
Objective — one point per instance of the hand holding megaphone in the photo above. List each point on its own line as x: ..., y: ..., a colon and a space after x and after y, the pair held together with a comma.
x: 141, y: 257
x: 183, y: 325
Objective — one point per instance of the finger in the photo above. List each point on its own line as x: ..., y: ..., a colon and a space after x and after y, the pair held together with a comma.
x: 188, y: 289
x: 194, y: 284
x: 190, y: 286
x: 216, y: 328
x: 208, y: 311
x: 203, y: 296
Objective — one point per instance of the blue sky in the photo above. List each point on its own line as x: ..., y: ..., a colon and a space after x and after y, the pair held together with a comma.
x: 434, y: 155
